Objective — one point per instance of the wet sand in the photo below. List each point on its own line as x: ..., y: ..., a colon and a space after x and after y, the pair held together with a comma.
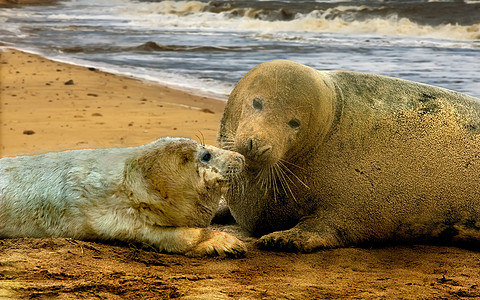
x: 51, y: 106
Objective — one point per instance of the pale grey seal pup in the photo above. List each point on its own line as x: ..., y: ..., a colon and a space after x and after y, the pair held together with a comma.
x: 162, y: 194
x: 338, y: 158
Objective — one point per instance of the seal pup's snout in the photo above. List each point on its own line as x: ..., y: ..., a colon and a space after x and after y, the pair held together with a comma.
x: 235, y: 166
x: 220, y: 165
x: 240, y: 159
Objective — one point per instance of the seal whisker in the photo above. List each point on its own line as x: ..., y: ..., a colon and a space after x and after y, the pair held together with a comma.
x: 279, y: 176
x: 281, y: 168
x: 269, y: 182
x: 228, y: 147
x: 292, y: 164
x: 273, y: 183
x: 228, y: 144
x: 227, y: 141
x: 237, y: 186
x: 294, y: 175
x: 263, y: 177
x: 283, y: 176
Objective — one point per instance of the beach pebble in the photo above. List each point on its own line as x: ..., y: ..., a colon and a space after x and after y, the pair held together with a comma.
x: 28, y: 132
x: 208, y: 111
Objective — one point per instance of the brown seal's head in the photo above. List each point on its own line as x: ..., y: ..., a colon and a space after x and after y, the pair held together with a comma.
x: 179, y: 182
x: 277, y: 111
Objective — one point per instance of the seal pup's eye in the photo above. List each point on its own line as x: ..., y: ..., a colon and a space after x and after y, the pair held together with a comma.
x: 257, y: 104
x: 294, y: 123
x: 206, y: 157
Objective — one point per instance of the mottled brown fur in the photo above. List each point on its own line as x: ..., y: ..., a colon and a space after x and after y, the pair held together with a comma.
x: 374, y: 159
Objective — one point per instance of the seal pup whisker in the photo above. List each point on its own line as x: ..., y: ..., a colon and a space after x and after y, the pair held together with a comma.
x: 201, y: 139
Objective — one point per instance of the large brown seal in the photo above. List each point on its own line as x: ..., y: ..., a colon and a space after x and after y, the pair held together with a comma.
x: 343, y: 158
x: 162, y: 194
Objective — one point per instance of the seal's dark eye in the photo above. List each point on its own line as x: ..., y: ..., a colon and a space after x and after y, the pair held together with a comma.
x: 257, y: 104
x: 294, y: 123
x: 206, y: 156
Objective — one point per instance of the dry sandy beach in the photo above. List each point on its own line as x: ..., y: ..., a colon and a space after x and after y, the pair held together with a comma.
x: 51, y: 106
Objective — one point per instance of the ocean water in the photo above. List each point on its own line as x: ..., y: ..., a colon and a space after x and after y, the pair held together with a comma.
x: 205, y: 47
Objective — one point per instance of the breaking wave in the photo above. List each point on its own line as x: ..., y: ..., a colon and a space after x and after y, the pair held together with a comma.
x: 149, y: 46
x: 444, y: 20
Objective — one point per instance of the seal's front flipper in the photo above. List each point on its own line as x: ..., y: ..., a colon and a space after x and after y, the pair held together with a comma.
x: 296, y: 240
x: 307, y: 236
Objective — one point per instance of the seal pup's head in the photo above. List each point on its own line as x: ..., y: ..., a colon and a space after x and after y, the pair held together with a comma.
x: 179, y: 182
x: 276, y: 114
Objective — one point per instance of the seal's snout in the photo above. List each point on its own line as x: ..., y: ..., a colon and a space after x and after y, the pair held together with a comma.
x: 255, y: 150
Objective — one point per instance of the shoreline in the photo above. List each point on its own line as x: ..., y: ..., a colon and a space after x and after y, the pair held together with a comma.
x: 46, y: 105
x: 149, y: 79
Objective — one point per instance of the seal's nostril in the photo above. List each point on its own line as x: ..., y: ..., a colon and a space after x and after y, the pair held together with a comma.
x: 264, y: 150
x: 250, y: 144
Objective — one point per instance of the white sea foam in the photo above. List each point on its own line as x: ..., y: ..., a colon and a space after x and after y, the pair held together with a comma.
x: 392, y: 26
x: 191, y: 14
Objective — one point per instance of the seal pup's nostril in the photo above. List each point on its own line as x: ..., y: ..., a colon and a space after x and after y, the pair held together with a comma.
x: 240, y: 159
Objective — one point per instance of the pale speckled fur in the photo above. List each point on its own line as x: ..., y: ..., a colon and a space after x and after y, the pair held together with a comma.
x: 375, y: 159
x: 160, y: 194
